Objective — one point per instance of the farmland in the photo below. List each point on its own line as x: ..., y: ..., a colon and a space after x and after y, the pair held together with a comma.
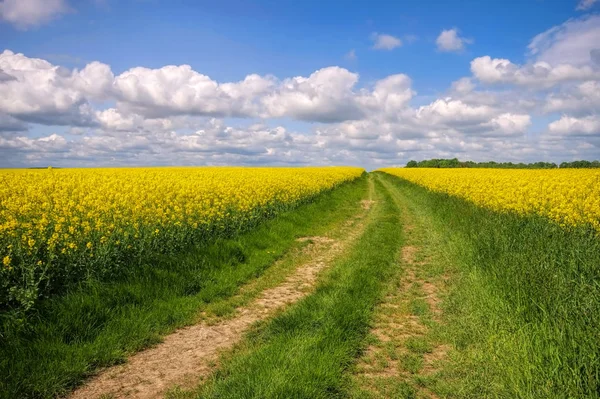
x: 326, y: 282
x: 570, y: 197
x: 61, y: 226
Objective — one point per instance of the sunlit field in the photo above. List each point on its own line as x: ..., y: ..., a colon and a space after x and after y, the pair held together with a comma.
x: 367, y: 277
x: 570, y: 197
x: 59, y: 226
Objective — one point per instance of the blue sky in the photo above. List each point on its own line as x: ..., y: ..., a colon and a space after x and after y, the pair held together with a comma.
x: 340, y: 115
x: 228, y: 39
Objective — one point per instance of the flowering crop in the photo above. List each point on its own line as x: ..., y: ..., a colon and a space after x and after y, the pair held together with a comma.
x: 570, y: 197
x: 64, y: 225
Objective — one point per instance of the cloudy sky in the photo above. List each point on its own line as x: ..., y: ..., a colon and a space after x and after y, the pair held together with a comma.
x: 282, y: 82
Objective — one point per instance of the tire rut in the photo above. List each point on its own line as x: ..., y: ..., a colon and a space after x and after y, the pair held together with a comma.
x: 401, y: 351
x: 191, y: 352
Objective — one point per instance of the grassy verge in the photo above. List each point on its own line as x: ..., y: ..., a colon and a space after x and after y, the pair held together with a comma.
x: 304, y: 352
x: 98, y: 324
x: 523, y: 309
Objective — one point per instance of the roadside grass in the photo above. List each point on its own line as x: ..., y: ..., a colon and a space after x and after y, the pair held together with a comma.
x: 305, y: 351
x: 523, y: 308
x: 99, y: 323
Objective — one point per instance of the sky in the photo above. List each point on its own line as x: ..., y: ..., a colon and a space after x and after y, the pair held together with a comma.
x: 87, y: 83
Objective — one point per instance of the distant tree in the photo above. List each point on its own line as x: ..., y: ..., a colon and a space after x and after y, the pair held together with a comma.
x: 455, y: 163
x: 580, y: 164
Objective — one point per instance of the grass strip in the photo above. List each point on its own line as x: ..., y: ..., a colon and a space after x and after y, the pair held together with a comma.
x: 304, y: 352
x: 524, y: 305
x: 99, y: 324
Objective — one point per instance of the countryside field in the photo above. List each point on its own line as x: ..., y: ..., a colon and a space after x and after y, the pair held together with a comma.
x: 230, y: 282
x: 258, y: 199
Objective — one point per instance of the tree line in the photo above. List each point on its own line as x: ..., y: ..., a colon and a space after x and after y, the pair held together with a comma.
x: 455, y: 163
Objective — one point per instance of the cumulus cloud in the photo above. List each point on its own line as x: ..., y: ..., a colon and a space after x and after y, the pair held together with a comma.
x: 509, y: 124
x: 574, y: 42
x: 325, y: 96
x: 40, y: 92
x: 570, y: 126
x: 458, y: 117
x: 5, y: 77
x: 500, y: 70
x: 463, y: 85
x: 450, y: 41
x: 583, y: 98
x: 50, y: 144
x: 563, y: 55
x: 390, y: 96
x: 383, y: 41
x: 181, y: 90
x: 177, y: 115
x: 113, y: 120
x: 454, y: 112
x: 25, y: 14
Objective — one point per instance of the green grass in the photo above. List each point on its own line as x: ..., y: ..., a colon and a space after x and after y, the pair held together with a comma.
x: 304, y: 352
x: 100, y: 323
x: 523, y: 310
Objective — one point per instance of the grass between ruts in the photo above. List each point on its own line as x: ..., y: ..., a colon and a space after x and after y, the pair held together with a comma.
x: 304, y: 352
x: 405, y: 346
x: 98, y: 324
x: 523, y: 308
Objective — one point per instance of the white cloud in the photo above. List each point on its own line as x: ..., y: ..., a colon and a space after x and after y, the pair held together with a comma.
x: 170, y: 115
x: 463, y: 85
x: 454, y: 112
x: 53, y: 143
x: 383, y: 41
x: 581, y: 99
x: 573, y: 42
x: 542, y: 74
x: 38, y: 91
x: 449, y: 41
x: 389, y: 97
x: 29, y: 13
x: 570, y: 126
x: 325, y: 96
x: 181, y: 90
x: 584, y: 5
x: 510, y: 124
x: 94, y: 80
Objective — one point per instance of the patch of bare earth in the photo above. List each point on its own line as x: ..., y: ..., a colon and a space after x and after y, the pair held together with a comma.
x: 367, y: 204
x: 401, y: 350
x: 190, y: 353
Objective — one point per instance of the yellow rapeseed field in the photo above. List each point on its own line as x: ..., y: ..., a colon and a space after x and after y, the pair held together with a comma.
x: 570, y: 197
x: 72, y: 223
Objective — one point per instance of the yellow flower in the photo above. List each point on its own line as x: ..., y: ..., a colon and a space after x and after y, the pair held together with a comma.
x: 72, y: 208
x: 6, y: 261
x: 570, y: 197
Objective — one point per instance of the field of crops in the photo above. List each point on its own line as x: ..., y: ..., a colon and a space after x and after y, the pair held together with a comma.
x: 98, y: 264
x: 61, y: 226
x: 570, y: 197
